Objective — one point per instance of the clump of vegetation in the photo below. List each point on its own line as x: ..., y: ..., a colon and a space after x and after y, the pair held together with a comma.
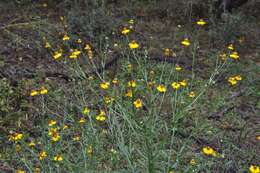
x: 113, y: 94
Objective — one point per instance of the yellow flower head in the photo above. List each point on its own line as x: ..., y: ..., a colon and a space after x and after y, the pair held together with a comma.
x: 31, y: 144
x: 178, y: 68
x: 101, y: 116
x: 54, y: 134
x: 161, y: 88
x: 232, y: 81
x: 76, y: 138
x: 223, y: 56
x: 234, y: 55
x: 185, y: 42
x: 104, y: 85
x: 183, y: 83
x: 191, y: 94
x: 138, y: 103
x: 87, y: 47
x: 89, y: 150
x: 201, y: 22
x: 108, y: 100
x: 209, y: 151
x: 43, y: 91
x: 115, y: 81
x: 20, y: 171
x: 65, y: 37
x: 230, y: 47
x: 42, y: 155
x: 131, y: 21
x: 82, y: 120
x: 75, y: 54
x: 132, y: 84
x: 133, y: 45
x: 125, y: 31
x: 167, y: 52
x: 47, y: 45
x: 258, y: 138
x: 57, y: 55
x: 193, y: 162
x: 176, y: 85
x: 85, y: 111
x: 15, y: 137
x: 254, y: 169
x: 34, y: 93
x: 129, y: 93
x: 238, y: 77
x: 52, y: 123
x: 78, y: 41
x: 58, y: 157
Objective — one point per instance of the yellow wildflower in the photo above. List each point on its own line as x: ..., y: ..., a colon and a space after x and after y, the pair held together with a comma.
x: 76, y: 138
x: 201, y: 22
x: 125, y: 31
x: 234, y: 55
x: 85, y: 111
x: 254, y: 169
x: 52, y: 123
x: 34, y: 93
x: 54, y: 134
x: 167, y: 52
x: 193, y: 162
x: 58, y: 157
x: 238, y: 77
x: 161, y: 88
x: 43, y: 90
x: 178, y: 68
x: 89, y: 150
x: 183, y: 83
x: 57, y: 55
x: 75, y: 54
x: 31, y: 144
x: 18, y: 148
x: 133, y: 45
x: 138, y: 103
x: 82, y: 120
x: 87, y: 47
x: 258, y: 137
x: 65, y: 37
x: 42, y: 155
x: 191, y: 94
x: 47, y: 45
x: 185, y: 42
x: 223, y: 56
x: 129, y: 93
x: 101, y: 116
x: 132, y: 84
x: 176, y: 85
x: 79, y: 41
x: 209, y: 151
x: 65, y: 126
x: 232, y: 80
x: 131, y: 21
x: 20, y: 171
x: 104, y: 85
x: 115, y: 81
x: 15, y: 137
x: 230, y: 47
x: 37, y: 170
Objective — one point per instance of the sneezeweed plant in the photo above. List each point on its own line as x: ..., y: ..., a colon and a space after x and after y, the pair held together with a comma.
x: 138, y: 103
x: 201, y: 22
x: 133, y: 45
x: 185, y: 42
x: 254, y: 169
x: 161, y: 88
x: 233, y: 80
x: 208, y: 151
